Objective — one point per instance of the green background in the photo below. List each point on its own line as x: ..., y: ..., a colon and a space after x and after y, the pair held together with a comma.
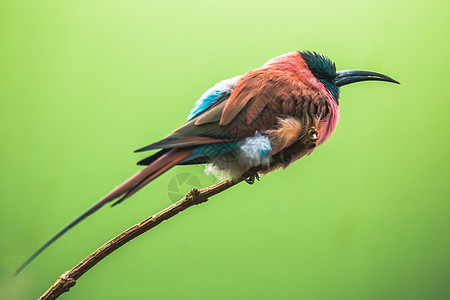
x: 84, y: 83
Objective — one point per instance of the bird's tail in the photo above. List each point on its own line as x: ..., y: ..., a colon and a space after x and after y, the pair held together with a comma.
x: 123, y: 191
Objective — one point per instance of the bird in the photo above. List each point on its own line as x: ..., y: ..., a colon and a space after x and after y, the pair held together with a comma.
x: 248, y: 125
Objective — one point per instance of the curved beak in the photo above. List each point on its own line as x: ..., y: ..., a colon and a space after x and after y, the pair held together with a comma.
x: 350, y: 76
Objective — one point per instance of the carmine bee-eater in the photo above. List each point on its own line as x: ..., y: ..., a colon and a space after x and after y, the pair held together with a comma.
x: 262, y: 120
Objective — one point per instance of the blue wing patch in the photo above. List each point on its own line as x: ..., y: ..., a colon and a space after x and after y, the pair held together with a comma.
x: 254, y: 150
x: 221, y: 89
x: 214, y: 149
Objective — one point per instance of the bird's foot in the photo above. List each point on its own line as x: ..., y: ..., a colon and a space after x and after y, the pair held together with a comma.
x: 311, y: 138
x: 251, y: 178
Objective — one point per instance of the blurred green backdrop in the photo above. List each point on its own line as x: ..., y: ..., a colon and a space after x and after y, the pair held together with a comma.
x: 84, y: 83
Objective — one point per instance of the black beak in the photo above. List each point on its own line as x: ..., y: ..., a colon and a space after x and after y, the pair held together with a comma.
x: 351, y: 76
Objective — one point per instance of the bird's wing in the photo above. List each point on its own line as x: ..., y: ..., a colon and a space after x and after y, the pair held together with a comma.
x: 253, y: 102
x: 254, y: 105
x: 258, y: 89
x: 238, y: 115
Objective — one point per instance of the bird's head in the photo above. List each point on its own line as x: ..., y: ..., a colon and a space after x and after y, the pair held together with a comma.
x: 325, y: 71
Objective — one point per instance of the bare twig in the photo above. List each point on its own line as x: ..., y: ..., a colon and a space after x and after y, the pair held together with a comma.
x: 69, y: 278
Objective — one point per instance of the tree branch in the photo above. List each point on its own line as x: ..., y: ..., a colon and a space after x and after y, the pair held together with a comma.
x: 194, y: 197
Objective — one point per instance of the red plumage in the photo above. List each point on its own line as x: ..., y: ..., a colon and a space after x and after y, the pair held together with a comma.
x: 282, y: 103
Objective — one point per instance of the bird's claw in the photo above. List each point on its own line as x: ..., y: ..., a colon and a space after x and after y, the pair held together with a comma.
x: 312, y: 137
x: 251, y: 179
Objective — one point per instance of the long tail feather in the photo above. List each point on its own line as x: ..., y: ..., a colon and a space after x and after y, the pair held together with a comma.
x: 148, y: 160
x: 159, y: 166
x: 126, y: 189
